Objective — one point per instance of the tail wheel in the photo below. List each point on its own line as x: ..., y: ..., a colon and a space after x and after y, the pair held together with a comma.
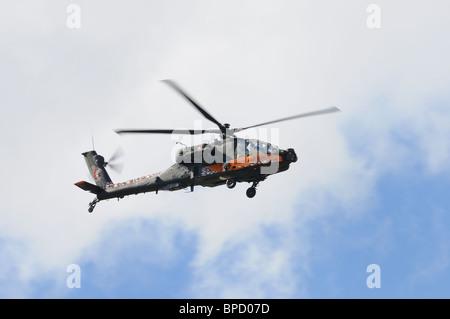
x: 92, y: 205
x: 251, y: 192
x: 231, y: 183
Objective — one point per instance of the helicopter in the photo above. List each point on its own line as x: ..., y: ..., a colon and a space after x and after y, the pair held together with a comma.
x: 227, y: 160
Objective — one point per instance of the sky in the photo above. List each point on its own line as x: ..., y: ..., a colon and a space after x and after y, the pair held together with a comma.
x: 370, y: 187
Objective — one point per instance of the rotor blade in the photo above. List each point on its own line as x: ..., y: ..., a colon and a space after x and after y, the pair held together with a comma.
x: 117, y: 154
x: 319, y: 112
x: 194, y: 103
x: 116, y: 167
x: 164, y: 131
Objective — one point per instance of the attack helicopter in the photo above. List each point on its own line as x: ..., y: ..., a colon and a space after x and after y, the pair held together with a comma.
x: 227, y: 160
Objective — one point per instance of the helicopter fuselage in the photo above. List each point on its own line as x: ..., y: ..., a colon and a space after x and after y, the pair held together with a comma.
x: 214, y: 164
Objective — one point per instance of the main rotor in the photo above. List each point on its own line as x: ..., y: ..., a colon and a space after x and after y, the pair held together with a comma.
x: 223, y: 129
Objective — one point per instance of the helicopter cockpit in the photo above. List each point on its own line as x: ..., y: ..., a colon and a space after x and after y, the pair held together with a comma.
x: 224, y: 150
x: 248, y: 147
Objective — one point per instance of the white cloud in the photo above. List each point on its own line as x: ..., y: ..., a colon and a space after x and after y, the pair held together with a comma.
x: 247, y: 63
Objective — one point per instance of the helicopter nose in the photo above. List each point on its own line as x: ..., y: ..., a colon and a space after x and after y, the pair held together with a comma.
x: 290, y: 155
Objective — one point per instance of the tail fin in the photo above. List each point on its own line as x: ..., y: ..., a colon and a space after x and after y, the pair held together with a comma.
x: 96, y: 166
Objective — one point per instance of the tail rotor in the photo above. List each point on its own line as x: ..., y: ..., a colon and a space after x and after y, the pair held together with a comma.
x: 115, y: 162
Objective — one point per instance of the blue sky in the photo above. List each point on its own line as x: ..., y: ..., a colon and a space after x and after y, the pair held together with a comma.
x: 370, y: 185
x: 404, y: 234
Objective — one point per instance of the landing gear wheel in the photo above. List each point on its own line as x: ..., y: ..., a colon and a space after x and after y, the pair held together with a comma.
x: 251, y: 192
x: 231, y: 183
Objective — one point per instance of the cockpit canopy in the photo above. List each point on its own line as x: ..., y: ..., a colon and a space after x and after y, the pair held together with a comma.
x: 220, y: 151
